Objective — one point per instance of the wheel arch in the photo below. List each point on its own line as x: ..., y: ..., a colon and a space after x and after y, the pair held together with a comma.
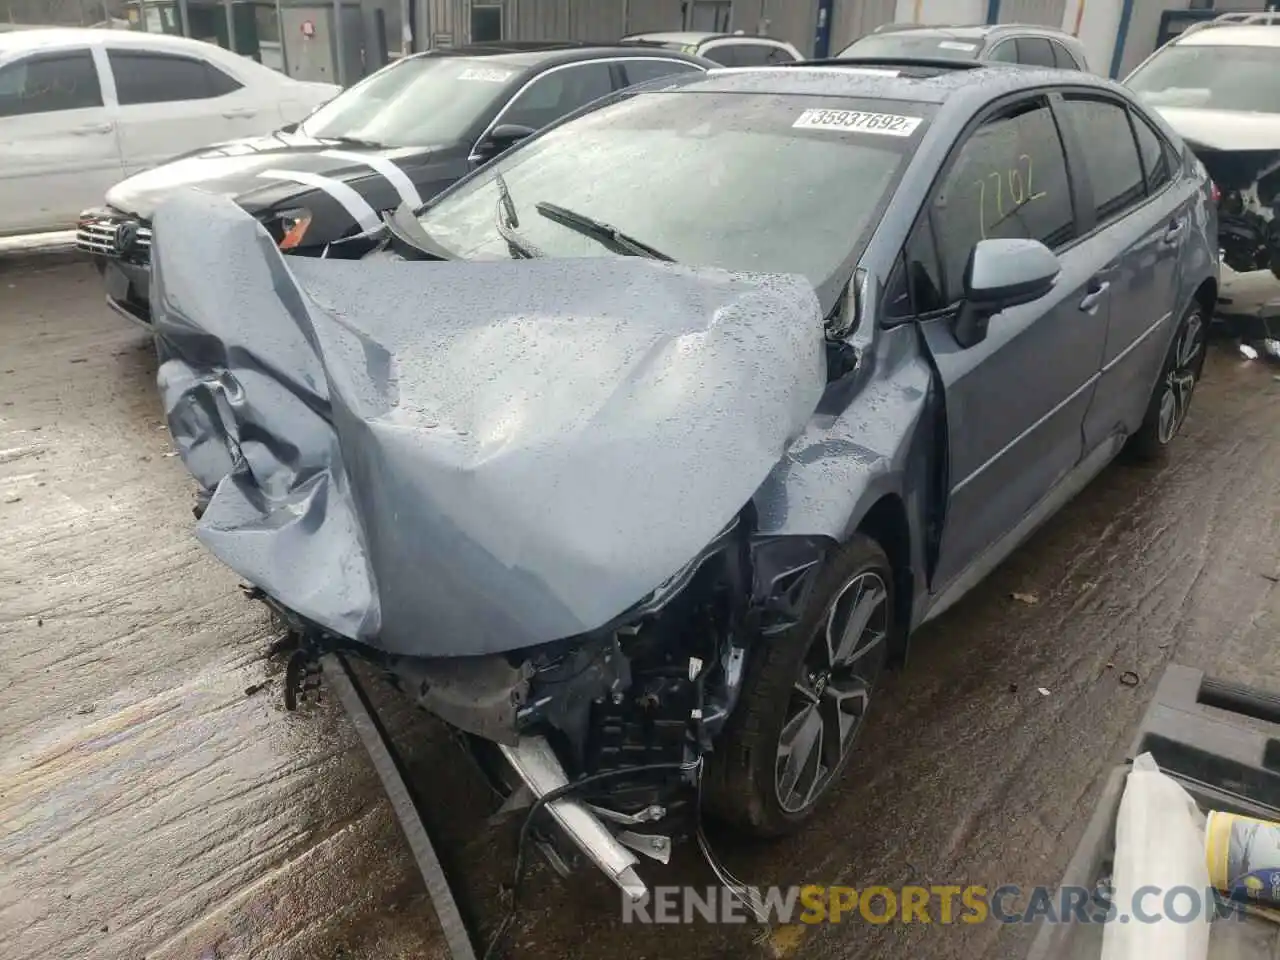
x: 886, y: 523
x: 1207, y: 294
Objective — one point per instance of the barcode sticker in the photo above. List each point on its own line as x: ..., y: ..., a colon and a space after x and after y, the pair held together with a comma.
x: 857, y: 121
x: 487, y: 74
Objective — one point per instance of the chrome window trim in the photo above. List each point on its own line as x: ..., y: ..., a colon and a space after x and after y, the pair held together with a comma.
x: 607, y: 61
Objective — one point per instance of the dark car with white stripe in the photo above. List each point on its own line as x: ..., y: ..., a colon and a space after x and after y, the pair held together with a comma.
x: 400, y: 136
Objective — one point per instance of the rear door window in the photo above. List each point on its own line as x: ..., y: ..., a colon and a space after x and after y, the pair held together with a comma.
x: 1157, y: 155
x: 760, y: 54
x: 725, y: 54
x: 165, y: 78
x: 1006, y: 52
x: 1007, y: 180
x: 1035, y: 52
x: 639, y: 71
x: 1062, y: 58
x: 753, y: 54
x: 1110, y: 154
x: 50, y: 84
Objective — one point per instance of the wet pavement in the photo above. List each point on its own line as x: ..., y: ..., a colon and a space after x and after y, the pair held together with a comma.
x: 156, y: 800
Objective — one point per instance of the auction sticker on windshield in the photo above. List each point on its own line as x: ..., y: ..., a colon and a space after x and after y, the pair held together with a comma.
x: 487, y: 74
x: 856, y: 121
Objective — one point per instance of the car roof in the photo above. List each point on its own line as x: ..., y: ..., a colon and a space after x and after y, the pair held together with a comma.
x: 690, y: 37
x: 918, y: 80
x: 1231, y: 35
x: 693, y: 38
x: 58, y: 37
x: 977, y: 31
x: 529, y: 54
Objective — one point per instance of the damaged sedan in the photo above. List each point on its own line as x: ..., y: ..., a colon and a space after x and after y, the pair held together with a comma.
x: 1219, y: 87
x: 637, y: 455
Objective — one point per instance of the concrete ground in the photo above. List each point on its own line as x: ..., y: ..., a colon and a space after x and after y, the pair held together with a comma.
x: 156, y: 800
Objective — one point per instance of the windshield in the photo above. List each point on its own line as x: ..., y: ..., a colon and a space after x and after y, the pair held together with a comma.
x: 1244, y: 79
x: 908, y: 43
x: 777, y: 184
x: 417, y: 102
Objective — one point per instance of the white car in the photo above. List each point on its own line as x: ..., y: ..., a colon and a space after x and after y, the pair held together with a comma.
x: 1218, y: 86
x: 727, y: 49
x: 81, y: 110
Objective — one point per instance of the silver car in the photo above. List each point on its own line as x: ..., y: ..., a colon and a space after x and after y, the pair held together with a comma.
x: 1020, y: 43
x: 638, y: 453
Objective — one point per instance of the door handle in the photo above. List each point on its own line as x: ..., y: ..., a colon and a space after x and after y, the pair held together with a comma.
x: 1174, y: 232
x: 1096, y: 292
x: 233, y: 114
x: 92, y: 128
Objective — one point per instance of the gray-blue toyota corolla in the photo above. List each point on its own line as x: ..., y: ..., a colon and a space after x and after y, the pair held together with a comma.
x: 637, y: 454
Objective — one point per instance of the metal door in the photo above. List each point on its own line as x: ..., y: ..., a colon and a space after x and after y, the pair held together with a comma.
x: 1016, y: 401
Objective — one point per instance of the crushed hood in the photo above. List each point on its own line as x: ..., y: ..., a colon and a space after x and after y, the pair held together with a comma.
x: 455, y: 458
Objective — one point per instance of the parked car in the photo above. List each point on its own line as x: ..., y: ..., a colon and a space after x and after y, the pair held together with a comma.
x: 1219, y: 87
x: 726, y: 49
x: 640, y: 451
x: 997, y: 42
x: 81, y: 109
x: 401, y: 135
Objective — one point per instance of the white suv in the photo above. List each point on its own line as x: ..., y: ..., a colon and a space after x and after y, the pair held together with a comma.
x: 81, y: 110
x: 1218, y: 86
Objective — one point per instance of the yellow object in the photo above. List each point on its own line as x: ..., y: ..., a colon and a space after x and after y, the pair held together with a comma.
x: 1243, y: 857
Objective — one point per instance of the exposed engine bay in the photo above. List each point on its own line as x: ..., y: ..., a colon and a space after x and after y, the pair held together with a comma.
x: 1248, y: 229
x: 633, y: 710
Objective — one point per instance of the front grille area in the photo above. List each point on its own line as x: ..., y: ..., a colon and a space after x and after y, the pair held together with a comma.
x: 114, y: 235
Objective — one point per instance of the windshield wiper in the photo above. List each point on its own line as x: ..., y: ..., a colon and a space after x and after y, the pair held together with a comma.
x: 610, y: 236
x: 506, y: 219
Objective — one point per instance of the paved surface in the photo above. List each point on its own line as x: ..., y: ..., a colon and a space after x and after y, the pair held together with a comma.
x: 156, y: 800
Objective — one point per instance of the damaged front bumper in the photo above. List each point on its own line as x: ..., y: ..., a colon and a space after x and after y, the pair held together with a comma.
x: 603, y: 739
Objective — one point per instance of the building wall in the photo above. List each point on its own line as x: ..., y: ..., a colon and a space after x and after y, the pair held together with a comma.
x: 1096, y: 22
x: 857, y: 18
x: 644, y: 16
x: 941, y: 11
x: 792, y: 20
x: 1048, y: 13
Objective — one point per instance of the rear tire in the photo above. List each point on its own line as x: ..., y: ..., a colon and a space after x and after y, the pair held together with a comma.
x: 767, y: 774
x: 1171, y: 396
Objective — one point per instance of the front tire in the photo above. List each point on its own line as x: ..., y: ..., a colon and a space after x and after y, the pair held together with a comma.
x: 1171, y: 397
x: 804, y: 698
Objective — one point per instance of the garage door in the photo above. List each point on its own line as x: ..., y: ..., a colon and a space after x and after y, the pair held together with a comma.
x: 1046, y: 13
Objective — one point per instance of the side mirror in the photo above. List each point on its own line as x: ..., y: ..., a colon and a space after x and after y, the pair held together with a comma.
x: 500, y: 139
x: 1001, y: 274
x: 289, y: 128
